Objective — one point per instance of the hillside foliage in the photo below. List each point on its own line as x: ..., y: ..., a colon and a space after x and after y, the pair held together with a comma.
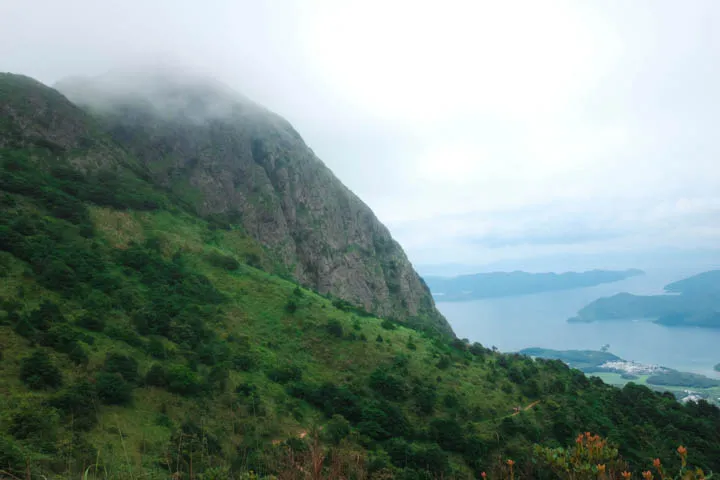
x: 141, y: 340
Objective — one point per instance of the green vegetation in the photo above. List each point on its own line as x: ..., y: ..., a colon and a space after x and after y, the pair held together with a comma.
x: 505, y: 284
x: 586, y: 360
x: 682, y: 379
x: 665, y: 379
x: 132, y: 347
x: 695, y: 304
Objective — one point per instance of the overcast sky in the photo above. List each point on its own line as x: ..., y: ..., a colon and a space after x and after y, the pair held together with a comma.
x: 477, y: 131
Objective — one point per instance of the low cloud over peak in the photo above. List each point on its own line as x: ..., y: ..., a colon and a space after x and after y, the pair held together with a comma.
x: 477, y: 130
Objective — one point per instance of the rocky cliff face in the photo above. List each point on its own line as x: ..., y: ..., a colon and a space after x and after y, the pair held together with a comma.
x: 226, y: 155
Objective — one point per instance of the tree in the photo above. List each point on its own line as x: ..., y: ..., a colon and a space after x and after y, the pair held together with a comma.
x: 156, y: 376
x: 337, y: 429
x: 112, y: 389
x: 124, y: 365
x: 39, y: 373
x: 182, y: 380
x: 334, y: 328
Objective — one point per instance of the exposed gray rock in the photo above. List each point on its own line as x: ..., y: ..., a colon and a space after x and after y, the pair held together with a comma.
x: 227, y: 155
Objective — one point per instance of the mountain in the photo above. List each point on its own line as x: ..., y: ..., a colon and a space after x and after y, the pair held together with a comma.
x: 695, y: 301
x: 648, y: 258
x: 702, y: 283
x: 142, y: 337
x: 226, y: 156
x: 505, y: 284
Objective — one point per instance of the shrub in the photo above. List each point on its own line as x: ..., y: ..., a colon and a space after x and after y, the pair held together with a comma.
x: 125, y: 334
x: 399, y: 450
x: 78, y: 403
x: 383, y: 420
x: 36, y: 423
x: 432, y: 458
x: 448, y: 434
x: 334, y: 328
x: 246, y: 390
x: 388, y: 385
x: 217, y: 378
x: 61, y: 336
x: 243, y: 361
x: 285, y: 374
x: 39, y: 320
x: 156, y: 376
x: 78, y: 355
x: 388, y: 324
x: 214, y: 352
x: 182, y: 380
x: 291, y: 306
x: 217, y: 259
x: 11, y: 457
x: 444, y: 362
x: 112, y: 389
x: 460, y: 344
x: 57, y: 275
x: 477, y: 349
x: 156, y: 348
x: 337, y: 429
x: 38, y: 372
x: 91, y: 321
x: 124, y: 365
x: 425, y: 397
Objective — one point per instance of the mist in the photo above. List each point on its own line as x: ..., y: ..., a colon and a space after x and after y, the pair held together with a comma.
x: 481, y: 133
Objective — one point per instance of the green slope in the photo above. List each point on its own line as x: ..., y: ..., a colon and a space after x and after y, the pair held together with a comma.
x: 143, y: 340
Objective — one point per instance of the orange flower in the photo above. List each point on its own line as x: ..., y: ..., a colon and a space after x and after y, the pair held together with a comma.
x: 510, y: 463
x: 683, y: 455
x: 626, y: 474
x: 601, y: 468
x: 647, y: 475
x: 656, y: 463
x: 483, y: 475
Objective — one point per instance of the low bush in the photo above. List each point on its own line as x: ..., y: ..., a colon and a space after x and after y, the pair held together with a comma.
x: 38, y: 371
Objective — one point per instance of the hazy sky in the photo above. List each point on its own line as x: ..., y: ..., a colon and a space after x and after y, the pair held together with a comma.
x: 477, y: 131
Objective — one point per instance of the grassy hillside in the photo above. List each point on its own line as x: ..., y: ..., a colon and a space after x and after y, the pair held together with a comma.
x: 140, y: 340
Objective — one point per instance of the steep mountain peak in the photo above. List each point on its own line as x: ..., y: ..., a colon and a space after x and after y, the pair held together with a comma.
x: 168, y: 92
x: 225, y: 155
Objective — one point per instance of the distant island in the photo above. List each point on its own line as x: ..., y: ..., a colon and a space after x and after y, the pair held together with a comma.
x: 615, y: 370
x: 717, y: 367
x: 505, y: 284
x: 586, y: 360
x: 691, y: 302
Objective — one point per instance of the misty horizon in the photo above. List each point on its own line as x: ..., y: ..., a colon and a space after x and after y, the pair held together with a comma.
x: 485, y: 134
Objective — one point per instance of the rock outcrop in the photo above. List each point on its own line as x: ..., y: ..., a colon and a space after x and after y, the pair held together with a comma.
x: 225, y: 155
